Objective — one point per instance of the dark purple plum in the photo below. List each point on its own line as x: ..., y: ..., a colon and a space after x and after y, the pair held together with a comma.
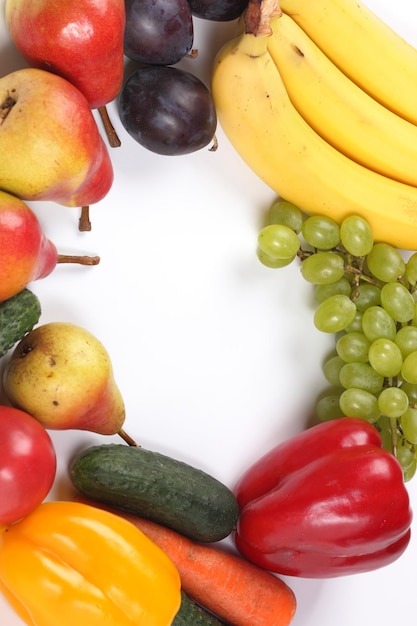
x: 218, y: 10
x: 158, y: 32
x: 167, y: 110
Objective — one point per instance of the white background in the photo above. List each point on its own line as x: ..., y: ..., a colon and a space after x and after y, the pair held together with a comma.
x: 216, y: 356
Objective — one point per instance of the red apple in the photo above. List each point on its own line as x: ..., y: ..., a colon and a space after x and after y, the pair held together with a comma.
x: 26, y: 254
x: 50, y: 137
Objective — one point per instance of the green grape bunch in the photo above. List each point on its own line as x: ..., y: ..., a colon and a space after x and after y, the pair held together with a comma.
x: 366, y: 295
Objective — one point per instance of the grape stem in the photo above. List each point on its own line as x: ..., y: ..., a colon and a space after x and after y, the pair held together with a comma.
x: 360, y: 276
x: 394, y: 435
x: 349, y: 268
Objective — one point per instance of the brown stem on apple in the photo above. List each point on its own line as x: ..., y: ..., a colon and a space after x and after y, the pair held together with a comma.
x: 84, y: 222
x: 128, y: 439
x: 112, y: 136
x: 5, y: 107
x: 80, y: 260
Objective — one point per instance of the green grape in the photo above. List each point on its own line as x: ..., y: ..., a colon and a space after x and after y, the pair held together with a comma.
x: 356, y: 324
x: 393, y: 401
x: 385, y: 357
x: 359, y: 403
x: 411, y: 391
x: 409, y: 368
x: 341, y: 286
x: 385, y: 262
x: 331, y: 370
x: 328, y: 408
x: 384, y: 427
x: 406, y: 340
x: 414, y: 320
x: 287, y: 214
x: 356, y: 235
x: 323, y: 268
x: 360, y: 376
x: 411, y: 269
x: 353, y: 347
x: 366, y: 295
x: 377, y: 323
x: 271, y: 261
x: 321, y: 232
x: 278, y: 241
x: 411, y: 470
x: 334, y: 314
x: 405, y: 454
x: 398, y: 302
x: 409, y: 424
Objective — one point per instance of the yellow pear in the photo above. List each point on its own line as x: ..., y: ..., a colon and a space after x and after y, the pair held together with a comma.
x: 62, y: 375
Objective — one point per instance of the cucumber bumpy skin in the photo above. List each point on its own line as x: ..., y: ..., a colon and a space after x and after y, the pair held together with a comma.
x: 18, y: 315
x: 157, y: 487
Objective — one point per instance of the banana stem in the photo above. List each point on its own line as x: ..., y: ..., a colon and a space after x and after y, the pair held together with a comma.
x: 80, y: 260
x: 258, y: 16
x: 112, y: 136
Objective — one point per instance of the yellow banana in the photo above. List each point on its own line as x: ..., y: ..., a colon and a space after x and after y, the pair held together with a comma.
x: 364, y: 47
x: 270, y: 135
x: 339, y: 110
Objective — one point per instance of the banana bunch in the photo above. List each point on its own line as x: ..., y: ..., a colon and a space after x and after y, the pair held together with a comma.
x: 319, y: 99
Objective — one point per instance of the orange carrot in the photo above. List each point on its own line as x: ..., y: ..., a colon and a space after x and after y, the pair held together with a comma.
x: 237, y: 591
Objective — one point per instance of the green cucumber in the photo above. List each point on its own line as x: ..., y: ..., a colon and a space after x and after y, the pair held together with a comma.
x: 192, y: 614
x: 157, y: 487
x: 18, y: 315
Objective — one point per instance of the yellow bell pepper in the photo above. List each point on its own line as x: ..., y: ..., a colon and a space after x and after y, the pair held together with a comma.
x: 70, y: 564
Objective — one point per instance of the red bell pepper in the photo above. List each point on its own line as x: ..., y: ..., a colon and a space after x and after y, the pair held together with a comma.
x: 327, y: 502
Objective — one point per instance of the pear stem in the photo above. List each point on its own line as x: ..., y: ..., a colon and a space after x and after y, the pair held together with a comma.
x: 127, y: 438
x: 112, y: 136
x: 80, y: 260
x: 84, y: 222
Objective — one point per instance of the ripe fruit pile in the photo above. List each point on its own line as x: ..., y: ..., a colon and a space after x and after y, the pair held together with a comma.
x: 364, y: 289
x: 319, y: 126
x: 166, y: 109
x: 366, y: 294
x: 321, y: 129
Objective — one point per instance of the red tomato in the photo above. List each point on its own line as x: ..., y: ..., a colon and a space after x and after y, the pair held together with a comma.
x: 27, y: 464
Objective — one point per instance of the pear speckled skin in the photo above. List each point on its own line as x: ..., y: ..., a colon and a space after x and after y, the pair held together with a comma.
x: 62, y: 375
x: 52, y: 142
